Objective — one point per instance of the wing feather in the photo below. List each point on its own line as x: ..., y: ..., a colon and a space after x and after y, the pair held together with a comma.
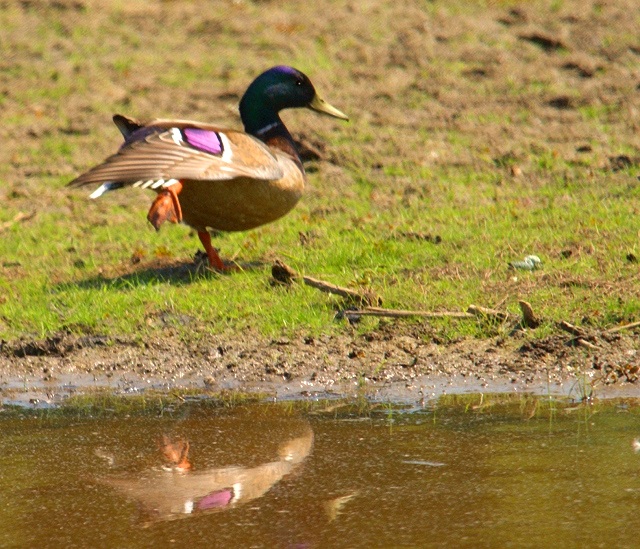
x: 161, y: 155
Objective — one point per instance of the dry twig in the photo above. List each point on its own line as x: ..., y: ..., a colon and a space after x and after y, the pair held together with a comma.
x: 620, y: 328
x: 284, y: 274
x: 362, y: 298
x: 585, y: 343
x: 476, y: 310
x: 573, y: 330
x: 400, y: 313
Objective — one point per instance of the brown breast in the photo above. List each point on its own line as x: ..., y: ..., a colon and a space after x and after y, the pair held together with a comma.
x: 243, y: 203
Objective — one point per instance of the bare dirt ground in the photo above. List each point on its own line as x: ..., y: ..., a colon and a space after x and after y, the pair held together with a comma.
x: 571, y: 46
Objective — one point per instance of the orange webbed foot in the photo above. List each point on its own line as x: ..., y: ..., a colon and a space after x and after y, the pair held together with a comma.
x: 166, y: 207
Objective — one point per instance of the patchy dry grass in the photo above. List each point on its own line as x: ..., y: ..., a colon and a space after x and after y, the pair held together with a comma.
x: 466, y: 124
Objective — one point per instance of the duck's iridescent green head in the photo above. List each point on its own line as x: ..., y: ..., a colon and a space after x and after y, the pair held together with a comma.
x: 280, y: 88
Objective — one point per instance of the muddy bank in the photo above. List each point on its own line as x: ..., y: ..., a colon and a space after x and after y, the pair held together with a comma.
x: 390, y: 363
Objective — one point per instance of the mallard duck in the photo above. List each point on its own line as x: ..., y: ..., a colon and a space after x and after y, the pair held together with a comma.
x: 211, y: 177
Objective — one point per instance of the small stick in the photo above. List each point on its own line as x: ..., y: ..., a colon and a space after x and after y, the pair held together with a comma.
x: 401, y: 313
x: 620, y: 328
x: 573, y: 330
x: 347, y: 293
x: 585, y: 343
x: 476, y: 310
x: 284, y: 274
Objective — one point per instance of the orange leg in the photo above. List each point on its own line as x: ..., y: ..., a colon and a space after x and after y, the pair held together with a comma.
x: 166, y: 207
x: 214, y: 259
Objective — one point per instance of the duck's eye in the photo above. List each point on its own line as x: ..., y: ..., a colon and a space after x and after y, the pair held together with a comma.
x: 298, y: 82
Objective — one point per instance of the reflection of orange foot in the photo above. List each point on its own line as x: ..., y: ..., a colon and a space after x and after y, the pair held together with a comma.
x: 176, y: 453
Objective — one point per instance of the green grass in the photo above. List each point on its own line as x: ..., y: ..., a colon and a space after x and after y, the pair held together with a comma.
x: 426, y: 168
x: 79, y: 276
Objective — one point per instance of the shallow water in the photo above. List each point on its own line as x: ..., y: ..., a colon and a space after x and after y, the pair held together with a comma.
x: 465, y: 471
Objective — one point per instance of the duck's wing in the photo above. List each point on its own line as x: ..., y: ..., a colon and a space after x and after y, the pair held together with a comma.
x: 165, y: 151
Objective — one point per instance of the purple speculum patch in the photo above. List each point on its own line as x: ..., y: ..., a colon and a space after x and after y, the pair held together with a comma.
x: 204, y: 140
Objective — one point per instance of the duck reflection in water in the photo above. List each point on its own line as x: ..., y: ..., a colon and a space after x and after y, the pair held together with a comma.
x: 176, y: 491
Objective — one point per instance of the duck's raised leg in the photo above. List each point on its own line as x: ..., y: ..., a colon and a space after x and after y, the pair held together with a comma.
x: 214, y: 259
x: 166, y: 207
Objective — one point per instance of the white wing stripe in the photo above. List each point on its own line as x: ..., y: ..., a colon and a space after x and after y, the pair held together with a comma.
x: 105, y: 187
x: 227, y: 153
x: 176, y: 135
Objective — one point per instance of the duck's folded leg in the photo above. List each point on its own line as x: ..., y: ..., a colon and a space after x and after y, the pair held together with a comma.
x: 166, y: 207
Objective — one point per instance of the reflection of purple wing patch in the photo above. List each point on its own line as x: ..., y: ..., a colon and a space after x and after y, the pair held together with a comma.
x: 205, y: 140
x: 215, y: 499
